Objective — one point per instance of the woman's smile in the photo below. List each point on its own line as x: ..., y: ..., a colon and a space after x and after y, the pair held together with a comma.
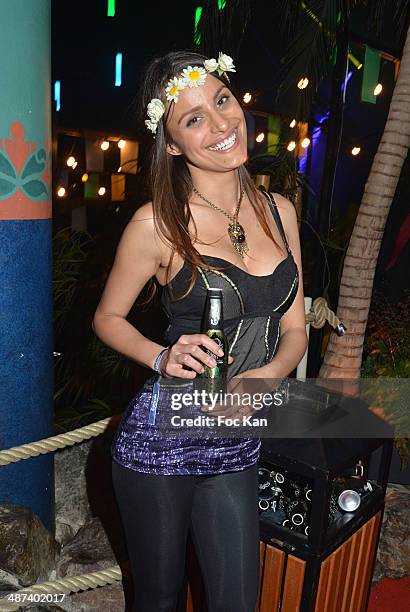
x: 226, y: 144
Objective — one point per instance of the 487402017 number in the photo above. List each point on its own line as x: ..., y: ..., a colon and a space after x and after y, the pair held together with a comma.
x: 35, y: 597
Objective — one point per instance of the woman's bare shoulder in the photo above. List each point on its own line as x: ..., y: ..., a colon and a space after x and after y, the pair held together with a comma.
x: 283, y: 203
x: 144, y: 213
x: 143, y: 229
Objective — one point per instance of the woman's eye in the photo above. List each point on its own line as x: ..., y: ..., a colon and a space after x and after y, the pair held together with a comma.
x: 193, y: 121
x: 223, y: 100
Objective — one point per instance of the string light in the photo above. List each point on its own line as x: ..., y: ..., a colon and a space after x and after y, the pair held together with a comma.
x: 197, y: 33
x: 57, y: 94
x: 101, y: 191
x: 356, y: 150
x: 111, y: 8
x: 84, y: 178
x: 118, y: 70
x: 247, y: 97
x: 61, y: 192
x: 119, y: 169
x: 121, y: 144
x: 75, y: 164
x: 292, y: 123
x: 291, y: 146
x: 355, y: 61
x: 70, y: 161
x: 303, y: 83
x: 305, y: 143
x: 104, y: 145
x: 378, y: 89
x: 260, y: 137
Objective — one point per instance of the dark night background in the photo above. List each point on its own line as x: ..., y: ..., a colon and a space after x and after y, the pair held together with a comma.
x: 85, y: 42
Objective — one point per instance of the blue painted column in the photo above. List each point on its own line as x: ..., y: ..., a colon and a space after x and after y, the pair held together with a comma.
x: 26, y: 340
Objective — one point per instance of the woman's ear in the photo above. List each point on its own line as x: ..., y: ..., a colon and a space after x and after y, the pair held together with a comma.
x: 173, y: 149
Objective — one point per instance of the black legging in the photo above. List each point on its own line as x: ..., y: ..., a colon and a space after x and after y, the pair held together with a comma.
x: 221, y: 511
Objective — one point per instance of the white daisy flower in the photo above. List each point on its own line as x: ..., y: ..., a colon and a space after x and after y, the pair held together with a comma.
x: 151, y: 125
x: 194, y: 76
x: 155, y: 109
x: 211, y: 65
x: 175, y: 85
x: 225, y: 63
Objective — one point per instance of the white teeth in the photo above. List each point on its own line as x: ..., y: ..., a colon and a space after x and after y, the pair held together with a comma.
x: 225, y: 144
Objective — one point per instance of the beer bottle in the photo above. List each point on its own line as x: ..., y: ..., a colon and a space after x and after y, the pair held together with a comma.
x: 212, y: 326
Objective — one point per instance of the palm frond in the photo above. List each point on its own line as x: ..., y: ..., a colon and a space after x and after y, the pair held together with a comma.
x: 376, y: 13
x: 222, y: 29
x: 309, y: 53
x: 289, y: 11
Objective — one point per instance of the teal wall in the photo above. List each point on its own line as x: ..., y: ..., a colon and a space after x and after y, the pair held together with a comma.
x: 26, y: 340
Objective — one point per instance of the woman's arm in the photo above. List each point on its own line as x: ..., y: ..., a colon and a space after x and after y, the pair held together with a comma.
x: 293, y: 337
x: 138, y: 257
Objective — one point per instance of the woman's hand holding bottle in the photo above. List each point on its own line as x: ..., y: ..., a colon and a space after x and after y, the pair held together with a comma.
x: 187, y: 357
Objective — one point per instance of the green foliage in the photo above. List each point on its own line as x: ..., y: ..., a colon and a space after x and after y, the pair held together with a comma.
x: 282, y: 168
x: 387, y: 353
x: 86, y: 370
x: 387, y: 343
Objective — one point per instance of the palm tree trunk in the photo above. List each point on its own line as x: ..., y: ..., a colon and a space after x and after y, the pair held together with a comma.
x: 343, y: 356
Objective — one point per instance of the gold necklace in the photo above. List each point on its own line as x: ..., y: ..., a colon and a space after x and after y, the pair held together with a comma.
x: 235, y: 230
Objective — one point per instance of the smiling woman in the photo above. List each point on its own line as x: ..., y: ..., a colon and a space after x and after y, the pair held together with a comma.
x: 205, y: 226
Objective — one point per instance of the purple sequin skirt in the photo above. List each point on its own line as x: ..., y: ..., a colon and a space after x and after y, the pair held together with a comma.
x: 143, y: 447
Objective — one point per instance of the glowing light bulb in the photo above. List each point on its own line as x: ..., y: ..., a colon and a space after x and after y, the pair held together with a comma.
x: 84, y: 178
x: 61, y: 192
x: 356, y: 150
x: 247, y: 97
x: 121, y: 144
x: 101, y: 191
x: 305, y: 143
x: 70, y: 161
x: 292, y: 123
x: 303, y: 83
x: 119, y: 169
x: 75, y: 164
x: 104, y: 145
x: 260, y: 137
x: 378, y: 89
x: 291, y: 146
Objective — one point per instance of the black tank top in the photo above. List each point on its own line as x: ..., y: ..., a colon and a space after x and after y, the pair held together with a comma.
x: 253, y: 305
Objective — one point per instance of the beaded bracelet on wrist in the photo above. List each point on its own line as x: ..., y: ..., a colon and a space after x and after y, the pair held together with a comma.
x: 157, y: 361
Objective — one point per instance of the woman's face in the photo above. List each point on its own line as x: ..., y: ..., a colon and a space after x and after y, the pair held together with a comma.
x: 207, y: 126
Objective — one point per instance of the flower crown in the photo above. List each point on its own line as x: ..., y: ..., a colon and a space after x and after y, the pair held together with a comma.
x: 192, y: 76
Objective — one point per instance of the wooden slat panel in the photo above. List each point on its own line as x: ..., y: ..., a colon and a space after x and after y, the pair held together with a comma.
x: 362, y: 573
x: 272, y: 579
x: 333, y: 585
x: 369, y: 565
x: 345, y: 574
x: 369, y: 530
x: 322, y: 587
x: 292, y: 591
x: 262, y: 548
x: 354, y: 541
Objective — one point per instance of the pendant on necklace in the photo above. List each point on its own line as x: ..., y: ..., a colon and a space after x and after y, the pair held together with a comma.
x: 238, y: 238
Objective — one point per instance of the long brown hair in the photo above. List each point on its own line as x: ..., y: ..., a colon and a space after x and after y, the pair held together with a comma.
x: 168, y: 175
